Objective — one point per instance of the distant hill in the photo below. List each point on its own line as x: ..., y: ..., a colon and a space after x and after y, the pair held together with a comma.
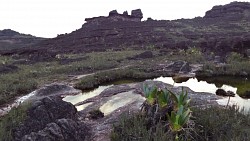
x: 10, y: 39
x: 223, y: 29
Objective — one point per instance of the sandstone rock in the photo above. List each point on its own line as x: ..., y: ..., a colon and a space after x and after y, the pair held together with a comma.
x: 179, y: 66
x: 137, y: 13
x: 125, y: 13
x: 54, y: 89
x: 113, y: 13
x: 43, y: 112
x: 61, y: 129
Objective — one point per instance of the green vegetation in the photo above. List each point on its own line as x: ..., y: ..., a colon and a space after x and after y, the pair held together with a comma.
x: 165, y: 115
x: 211, y: 123
x: 28, y: 77
x: 14, y: 118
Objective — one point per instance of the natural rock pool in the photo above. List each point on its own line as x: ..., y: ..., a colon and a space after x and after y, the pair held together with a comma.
x: 193, y: 83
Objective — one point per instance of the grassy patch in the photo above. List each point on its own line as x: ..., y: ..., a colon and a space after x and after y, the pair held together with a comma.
x: 98, y: 78
x: 212, y: 123
x: 14, y: 118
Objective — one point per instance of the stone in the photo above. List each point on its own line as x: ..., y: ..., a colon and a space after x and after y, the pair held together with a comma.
x: 137, y: 13
x: 41, y: 113
x: 179, y: 66
x: 113, y: 13
x: 125, y: 13
x: 222, y: 92
x: 54, y: 89
x: 61, y: 129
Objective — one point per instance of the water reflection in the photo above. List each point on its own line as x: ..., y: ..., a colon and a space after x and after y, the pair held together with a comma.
x: 83, y: 96
x: 121, y: 100
x: 203, y: 86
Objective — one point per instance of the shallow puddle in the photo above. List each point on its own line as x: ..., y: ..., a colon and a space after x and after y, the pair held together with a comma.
x: 82, y: 107
x: 74, y: 99
x: 121, y: 100
x: 203, y: 86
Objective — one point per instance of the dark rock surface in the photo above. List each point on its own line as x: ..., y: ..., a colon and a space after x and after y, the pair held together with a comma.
x: 222, y: 92
x: 54, y: 89
x: 10, y: 39
x: 223, y: 29
x: 60, y: 130
x: 50, y: 119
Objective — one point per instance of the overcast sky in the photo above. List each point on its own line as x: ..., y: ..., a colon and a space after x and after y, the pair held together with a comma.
x: 47, y: 18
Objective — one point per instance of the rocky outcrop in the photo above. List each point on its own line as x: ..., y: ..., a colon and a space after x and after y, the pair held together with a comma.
x: 50, y: 119
x: 137, y: 13
x: 224, y: 29
x: 55, y: 89
x: 10, y: 39
x: 60, y: 130
x: 232, y: 11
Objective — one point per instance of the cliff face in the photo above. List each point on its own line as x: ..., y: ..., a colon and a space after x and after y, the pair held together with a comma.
x: 223, y: 29
x: 10, y: 39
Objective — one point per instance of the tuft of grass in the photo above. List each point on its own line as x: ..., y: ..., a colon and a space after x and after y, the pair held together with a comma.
x: 102, y: 77
x: 221, y: 124
x: 14, y: 118
x: 211, y: 123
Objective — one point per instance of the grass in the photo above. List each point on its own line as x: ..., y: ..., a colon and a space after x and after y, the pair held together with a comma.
x: 213, y: 123
x: 29, y: 77
x: 98, y: 78
x: 14, y: 118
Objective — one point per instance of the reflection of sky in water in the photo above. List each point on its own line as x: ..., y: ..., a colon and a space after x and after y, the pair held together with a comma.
x: 203, y: 86
x: 83, y: 96
x: 120, y: 100
x: 81, y: 107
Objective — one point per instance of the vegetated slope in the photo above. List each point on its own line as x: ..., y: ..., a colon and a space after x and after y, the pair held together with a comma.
x: 10, y: 39
x: 223, y: 29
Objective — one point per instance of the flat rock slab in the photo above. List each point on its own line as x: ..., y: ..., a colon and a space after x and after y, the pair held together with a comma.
x: 118, y: 100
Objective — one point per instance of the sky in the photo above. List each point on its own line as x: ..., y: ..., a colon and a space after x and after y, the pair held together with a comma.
x: 48, y: 18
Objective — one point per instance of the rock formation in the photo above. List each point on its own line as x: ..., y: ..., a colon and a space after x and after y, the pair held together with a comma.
x: 50, y: 119
x: 222, y: 30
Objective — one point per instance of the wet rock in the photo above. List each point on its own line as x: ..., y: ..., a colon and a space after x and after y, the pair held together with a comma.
x: 43, y: 112
x: 182, y: 77
x: 222, y: 92
x: 54, y: 89
x: 8, y: 68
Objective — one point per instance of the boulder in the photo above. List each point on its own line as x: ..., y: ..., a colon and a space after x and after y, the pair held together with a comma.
x: 222, y: 92
x: 43, y: 112
x: 179, y: 66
